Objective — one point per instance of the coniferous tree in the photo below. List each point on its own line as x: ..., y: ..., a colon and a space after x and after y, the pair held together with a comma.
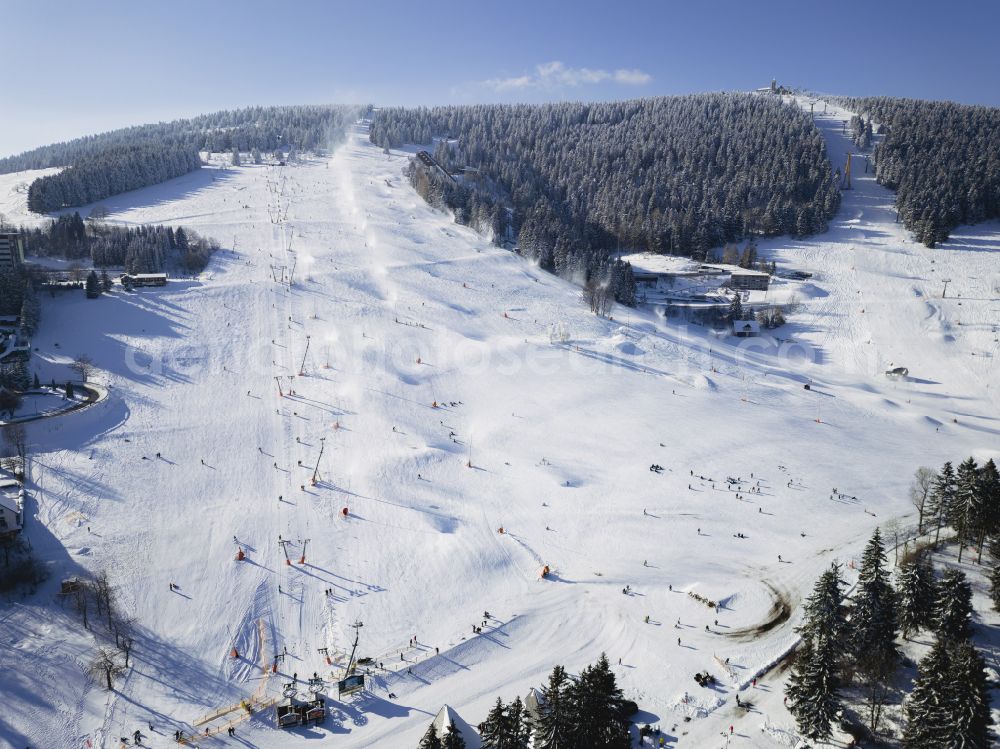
x: 736, y: 308
x: 554, y: 725
x: 969, y: 699
x: 965, y: 511
x: 30, y: 309
x: 597, y: 721
x: 93, y: 286
x: 953, y: 607
x: 452, y: 738
x: 926, y: 708
x: 915, y: 593
x: 494, y: 730
x: 430, y: 739
x: 986, y: 512
x: 942, y: 497
x: 814, y: 686
x: 995, y: 584
x: 873, y: 626
x: 518, y: 728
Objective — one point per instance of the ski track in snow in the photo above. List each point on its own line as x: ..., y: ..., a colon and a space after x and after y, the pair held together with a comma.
x: 381, y: 280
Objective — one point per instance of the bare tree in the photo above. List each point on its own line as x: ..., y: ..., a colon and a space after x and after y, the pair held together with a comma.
x: 83, y: 366
x: 124, y: 630
x: 10, y: 542
x: 81, y: 599
x: 920, y: 490
x: 16, y: 437
x: 99, y: 213
x: 104, y: 596
x: 106, y: 666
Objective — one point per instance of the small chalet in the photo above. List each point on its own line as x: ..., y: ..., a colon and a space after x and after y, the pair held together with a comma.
x: 746, y: 328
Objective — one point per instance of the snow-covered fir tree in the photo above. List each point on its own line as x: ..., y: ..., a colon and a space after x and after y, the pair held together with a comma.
x: 969, y: 699
x: 493, y: 730
x: 942, y: 497
x: 873, y: 627
x: 814, y: 686
x: 953, y: 607
x: 555, y: 723
x: 430, y: 739
x: 949, y: 705
x: 915, y: 594
x: 926, y: 709
x: 452, y: 738
x: 597, y: 721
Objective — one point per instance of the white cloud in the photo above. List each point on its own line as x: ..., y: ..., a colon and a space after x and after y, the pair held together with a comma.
x: 555, y: 74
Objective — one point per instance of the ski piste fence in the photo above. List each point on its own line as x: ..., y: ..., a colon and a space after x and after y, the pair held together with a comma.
x: 244, y: 708
x: 903, y: 536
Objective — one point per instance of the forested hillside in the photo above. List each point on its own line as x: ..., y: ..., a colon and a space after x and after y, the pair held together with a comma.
x: 96, y: 176
x: 139, y: 249
x: 679, y: 174
x: 941, y: 158
x: 126, y: 159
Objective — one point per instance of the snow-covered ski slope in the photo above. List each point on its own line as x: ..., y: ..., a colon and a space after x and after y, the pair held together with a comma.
x: 550, y: 439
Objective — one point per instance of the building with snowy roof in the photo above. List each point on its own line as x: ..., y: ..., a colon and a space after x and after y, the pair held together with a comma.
x: 11, y: 506
x: 746, y: 328
x: 446, y: 717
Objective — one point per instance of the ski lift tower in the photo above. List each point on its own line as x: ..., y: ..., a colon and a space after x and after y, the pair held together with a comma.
x: 352, y: 682
x: 354, y: 649
x: 322, y: 446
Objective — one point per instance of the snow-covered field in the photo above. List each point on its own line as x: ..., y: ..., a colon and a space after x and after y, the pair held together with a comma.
x: 459, y: 390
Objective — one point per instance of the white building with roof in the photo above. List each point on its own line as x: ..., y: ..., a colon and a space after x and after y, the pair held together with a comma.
x: 11, y: 506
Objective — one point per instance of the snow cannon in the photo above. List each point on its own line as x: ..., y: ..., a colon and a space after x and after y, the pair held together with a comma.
x: 234, y: 653
x: 344, y: 512
x: 240, y: 556
x: 545, y: 571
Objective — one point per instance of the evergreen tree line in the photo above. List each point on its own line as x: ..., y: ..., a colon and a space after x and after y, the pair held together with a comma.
x: 605, y: 278
x: 941, y: 158
x: 585, y: 712
x: 264, y: 128
x: 854, y: 642
x: 111, y: 172
x: 120, y: 160
x: 137, y: 249
x: 679, y: 174
x: 967, y: 500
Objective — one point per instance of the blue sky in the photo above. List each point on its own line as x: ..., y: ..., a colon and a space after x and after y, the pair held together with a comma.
x: 72, y: 68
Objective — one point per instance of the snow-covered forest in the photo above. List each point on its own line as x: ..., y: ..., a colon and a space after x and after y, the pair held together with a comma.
x: 134, y: 157
x: 680, y: 174
x: 941, y: 158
